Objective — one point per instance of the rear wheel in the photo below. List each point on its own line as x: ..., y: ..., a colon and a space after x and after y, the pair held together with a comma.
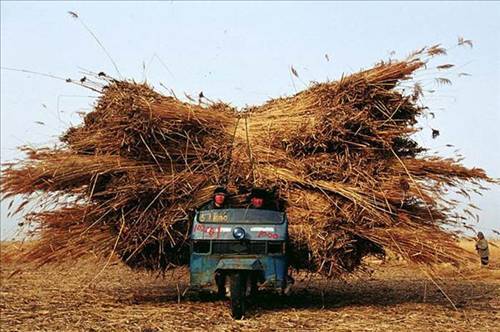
x: 238, y: 283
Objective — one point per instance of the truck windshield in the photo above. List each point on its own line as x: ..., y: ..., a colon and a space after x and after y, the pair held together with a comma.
x: 240, y: 216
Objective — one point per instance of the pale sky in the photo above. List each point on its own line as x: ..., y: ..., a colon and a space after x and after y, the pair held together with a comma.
x: 241, y: 52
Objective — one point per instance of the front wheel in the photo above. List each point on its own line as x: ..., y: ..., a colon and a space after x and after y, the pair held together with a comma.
x: 220, y: 280
x: 238, y: 283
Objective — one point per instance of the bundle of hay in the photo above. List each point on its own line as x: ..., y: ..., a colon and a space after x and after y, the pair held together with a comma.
x: 339, y: 154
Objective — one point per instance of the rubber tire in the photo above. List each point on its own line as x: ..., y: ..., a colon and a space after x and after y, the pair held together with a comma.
x: 220, y: 280
x: 238, y: 283
x: 254, y: 288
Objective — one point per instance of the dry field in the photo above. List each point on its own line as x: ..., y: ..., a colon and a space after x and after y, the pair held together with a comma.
x: 395, y: 297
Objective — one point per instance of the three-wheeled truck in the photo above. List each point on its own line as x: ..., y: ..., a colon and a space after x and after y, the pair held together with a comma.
x: 245, y: 247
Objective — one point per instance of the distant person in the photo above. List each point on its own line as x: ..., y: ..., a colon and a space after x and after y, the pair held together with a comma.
x: 219, y: 200
x: 482, y: 249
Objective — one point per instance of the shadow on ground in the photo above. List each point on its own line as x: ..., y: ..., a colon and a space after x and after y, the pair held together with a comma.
x: 333, y: 295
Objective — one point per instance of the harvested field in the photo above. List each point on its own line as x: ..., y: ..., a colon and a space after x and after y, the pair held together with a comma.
x: 396, y: 297
x: 121, y: 188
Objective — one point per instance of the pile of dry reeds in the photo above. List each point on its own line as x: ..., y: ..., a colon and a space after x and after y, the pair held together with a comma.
x: 339, y: 154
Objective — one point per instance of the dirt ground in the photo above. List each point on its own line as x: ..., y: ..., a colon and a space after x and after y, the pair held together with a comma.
x: 83, y: 297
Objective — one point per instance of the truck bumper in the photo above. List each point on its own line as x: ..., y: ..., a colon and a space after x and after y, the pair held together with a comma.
x: 203, y: 268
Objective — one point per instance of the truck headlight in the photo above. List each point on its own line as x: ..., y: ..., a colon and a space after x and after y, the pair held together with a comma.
x: 239, y: 233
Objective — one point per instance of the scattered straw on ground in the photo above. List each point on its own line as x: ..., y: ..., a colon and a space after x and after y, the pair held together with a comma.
x: 395, y: 298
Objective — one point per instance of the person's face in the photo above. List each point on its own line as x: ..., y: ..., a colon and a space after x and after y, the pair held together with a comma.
x: 257, y: 202
x: 219, y: 199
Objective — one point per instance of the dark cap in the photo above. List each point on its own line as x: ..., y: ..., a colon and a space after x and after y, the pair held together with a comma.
x: 220, y: 190
x: 258, y: 192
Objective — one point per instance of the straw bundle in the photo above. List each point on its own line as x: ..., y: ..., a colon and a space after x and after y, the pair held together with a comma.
x: 339, y: 154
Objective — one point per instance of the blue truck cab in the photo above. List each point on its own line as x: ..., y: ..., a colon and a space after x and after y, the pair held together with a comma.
x: 246, y: 247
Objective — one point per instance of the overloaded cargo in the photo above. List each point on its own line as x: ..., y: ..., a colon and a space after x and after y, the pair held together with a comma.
x: 339, y: 157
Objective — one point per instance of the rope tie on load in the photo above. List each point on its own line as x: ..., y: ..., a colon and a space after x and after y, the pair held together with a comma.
x: 249, y: 150
x: 230, y: 154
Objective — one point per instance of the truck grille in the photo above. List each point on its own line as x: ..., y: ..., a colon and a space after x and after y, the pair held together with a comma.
x: 237, y: 247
